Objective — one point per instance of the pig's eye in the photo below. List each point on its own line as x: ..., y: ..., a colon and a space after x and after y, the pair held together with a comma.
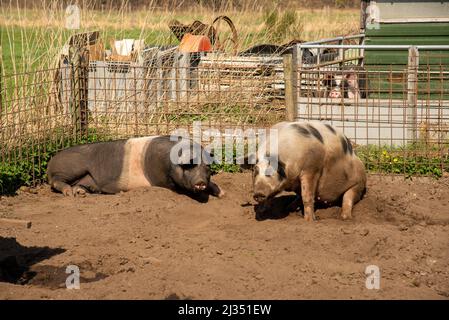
x: 188, y: 166
x: 268, y: 172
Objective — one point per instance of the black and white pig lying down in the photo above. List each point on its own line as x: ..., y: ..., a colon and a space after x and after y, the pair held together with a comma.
x: 111, y: 167
x: 317, y: 162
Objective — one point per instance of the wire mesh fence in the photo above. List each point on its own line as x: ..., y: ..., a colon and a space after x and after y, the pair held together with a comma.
x: 32, y: 125
x: 133, y: 100
x: 396, y: 115
x: 84, y: 101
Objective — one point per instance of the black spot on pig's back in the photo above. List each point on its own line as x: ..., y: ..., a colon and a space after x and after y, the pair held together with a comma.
x: 346, y: 145
x: 349, y: 146
x: 330, y: 128
x: 315, y: 133
x: 308, y: 131
x: 301, y: 130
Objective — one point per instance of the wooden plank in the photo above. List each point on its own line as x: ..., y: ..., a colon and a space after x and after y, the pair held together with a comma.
x: 15, y: 222
x: 407, y: 29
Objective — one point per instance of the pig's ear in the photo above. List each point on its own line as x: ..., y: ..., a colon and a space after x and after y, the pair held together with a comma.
x: 351, y: 76
x: 351, y: 79
x: 281, y: 170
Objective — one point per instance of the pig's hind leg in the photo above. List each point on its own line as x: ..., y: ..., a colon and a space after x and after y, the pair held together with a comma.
x: 85, y: 184
x: 61, y: 185
x: 63, y: 180
x: 66, y: 169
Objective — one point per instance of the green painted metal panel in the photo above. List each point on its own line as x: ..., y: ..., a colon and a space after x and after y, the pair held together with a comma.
x: 395, y: 85
x: 382, y: 86
x: 386, y: 90
x: 400, y: 57
x: 399, y: 67
x: 407, y: 29
x: 409, y: 40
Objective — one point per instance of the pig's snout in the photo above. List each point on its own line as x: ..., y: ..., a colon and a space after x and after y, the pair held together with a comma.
x: 335, y: 94
x: 200, y: 186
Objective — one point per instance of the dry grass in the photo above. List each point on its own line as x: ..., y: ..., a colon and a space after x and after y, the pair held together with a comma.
x: 33, y: 37
x: 317, y: 22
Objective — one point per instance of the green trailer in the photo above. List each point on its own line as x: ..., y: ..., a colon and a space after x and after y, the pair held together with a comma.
x: 418, y: 23
x: 403, y: 51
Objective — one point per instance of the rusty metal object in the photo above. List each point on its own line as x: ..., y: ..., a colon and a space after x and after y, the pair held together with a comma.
x: 220, y: 44
x: 271, y: 49
x: 196, y: 28
x: 211, y: 31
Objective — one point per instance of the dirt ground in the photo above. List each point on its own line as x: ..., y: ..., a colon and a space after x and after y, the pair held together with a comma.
x: 156, y: 244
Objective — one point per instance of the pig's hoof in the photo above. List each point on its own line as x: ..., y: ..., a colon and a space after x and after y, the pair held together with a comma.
x: 79, y: 192
x: 221, y: 194
x: 345, y: 217
x: 67, y: 192
x: 309, y: 217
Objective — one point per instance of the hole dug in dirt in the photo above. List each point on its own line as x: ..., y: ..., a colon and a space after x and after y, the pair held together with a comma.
x: 17, y: 266
x: 282, y: 206
x: 16, y: 260
x: 55, y: 277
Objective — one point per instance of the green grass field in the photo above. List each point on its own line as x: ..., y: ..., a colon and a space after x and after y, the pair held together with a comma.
x: 42, y: 43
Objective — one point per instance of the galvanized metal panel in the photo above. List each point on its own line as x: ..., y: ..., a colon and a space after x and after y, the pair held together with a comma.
x: 371, y: 122
x: 411, y: 11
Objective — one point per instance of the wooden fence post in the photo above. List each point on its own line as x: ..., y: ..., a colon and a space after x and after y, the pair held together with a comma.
x: 173, y: 76
x: 341, y: 55
x: 79, y: 79
x: 412, y: 92
x: 1, y: 83
x: 184, y: 72
x: 291, y: 84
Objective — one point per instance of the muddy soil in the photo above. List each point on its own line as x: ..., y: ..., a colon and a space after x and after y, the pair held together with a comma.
x: 155, y: 244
